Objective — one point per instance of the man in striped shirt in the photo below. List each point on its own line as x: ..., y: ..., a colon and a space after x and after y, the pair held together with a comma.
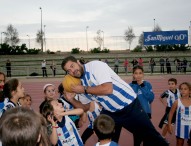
x: 102, y: 84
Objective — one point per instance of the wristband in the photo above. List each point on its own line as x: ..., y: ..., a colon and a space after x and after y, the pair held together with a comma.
x: 55, y: 127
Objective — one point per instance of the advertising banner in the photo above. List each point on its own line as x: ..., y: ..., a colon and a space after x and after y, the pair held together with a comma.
x: 166, y: 37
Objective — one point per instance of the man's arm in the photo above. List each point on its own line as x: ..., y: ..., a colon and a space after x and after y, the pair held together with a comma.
x: 103, y: 89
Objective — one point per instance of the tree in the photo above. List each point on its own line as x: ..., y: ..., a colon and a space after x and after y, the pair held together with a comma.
x: 11, y: 35
x: 39, y: 37
x: 129, y: 35
x: 141, y: 40
x: 99, y: 38
x: 157, y: 28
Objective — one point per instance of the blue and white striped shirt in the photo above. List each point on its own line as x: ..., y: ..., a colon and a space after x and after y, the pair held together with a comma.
x: 68, y: 134
x: 183, y: 121
x: 97, y: 73
x: 92, y: 115
x: 2, y: 104
x: 171, y: 97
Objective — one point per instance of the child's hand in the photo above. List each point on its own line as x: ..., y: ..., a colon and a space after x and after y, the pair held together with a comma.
x: 83, y: 119
x: 58, y: 113
x: 51, y: 119
x: 170, y: 129
x: 80, y: 123
x: 69, y: 96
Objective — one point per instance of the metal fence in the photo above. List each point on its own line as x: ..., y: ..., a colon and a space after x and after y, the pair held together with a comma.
x: 28, y: 70
x: 67, y: 44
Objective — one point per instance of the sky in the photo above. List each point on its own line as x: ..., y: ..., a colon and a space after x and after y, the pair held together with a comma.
x: 69, y: 18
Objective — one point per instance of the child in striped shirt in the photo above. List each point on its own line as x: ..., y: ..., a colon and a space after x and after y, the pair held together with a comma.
x: 64, y: 131
x: 182, y: 106
x: 168, y: 98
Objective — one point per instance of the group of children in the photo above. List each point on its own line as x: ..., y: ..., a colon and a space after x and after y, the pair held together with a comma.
x: 64, y: 120
x: 177, y: 103
x: 178, y: 111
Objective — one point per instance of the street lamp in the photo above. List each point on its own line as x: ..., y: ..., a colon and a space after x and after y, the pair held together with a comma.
x: 44, y: 39
x: 41, y: 31
x: 29, y: 41
x: 190, y: 32
x: 87, y: 36
x: 103, y: 38
x: 154, y: 24
x: 1, y: 36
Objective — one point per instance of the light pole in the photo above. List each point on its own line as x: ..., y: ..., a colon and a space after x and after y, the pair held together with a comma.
x: 154, y: 24
x: 103, y: 38
x: 87, y: 37
x: 29, y: 41
x: 190, y: 32
x: 1, y: 36
x: 44, y: 39
x: 41, y: 31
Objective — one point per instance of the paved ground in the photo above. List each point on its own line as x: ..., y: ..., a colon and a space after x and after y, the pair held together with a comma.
x: 33, y: 86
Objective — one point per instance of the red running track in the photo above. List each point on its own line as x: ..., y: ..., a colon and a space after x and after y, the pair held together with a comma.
x: 34, y: 87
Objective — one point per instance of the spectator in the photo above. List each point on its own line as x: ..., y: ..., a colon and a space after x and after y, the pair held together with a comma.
x: 125, y: 64
x: 43, y: 66
x: 8, y: 67
x: 116, y: 65
x: 162, y: 63
x: 106, y: 61
x: 168, y: 66
x: 140, y: 62
x: 152, y: 64
x: 177, y: 63
x: 53, y: 67
x: 184, y: 63
x: 134, y: 62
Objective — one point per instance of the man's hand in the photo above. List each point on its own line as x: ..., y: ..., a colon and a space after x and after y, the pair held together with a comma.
x: 77, y: 89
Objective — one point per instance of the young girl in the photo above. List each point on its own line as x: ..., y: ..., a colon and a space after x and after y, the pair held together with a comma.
x: 182, y: 106
x: 49, y: 93
x: 64, y: 132
x: 13, y: 90
x: 26, y: 101
x: 67, y: 105
x: 3, y: 100
x: 143, y: 89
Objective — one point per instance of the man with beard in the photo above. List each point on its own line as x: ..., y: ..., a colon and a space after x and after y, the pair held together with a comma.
x: 119, y: 101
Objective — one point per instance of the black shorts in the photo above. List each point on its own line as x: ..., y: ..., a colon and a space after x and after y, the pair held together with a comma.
x: 164, y: 119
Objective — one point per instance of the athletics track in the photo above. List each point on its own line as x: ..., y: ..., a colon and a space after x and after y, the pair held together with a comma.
x: 33, y: 86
